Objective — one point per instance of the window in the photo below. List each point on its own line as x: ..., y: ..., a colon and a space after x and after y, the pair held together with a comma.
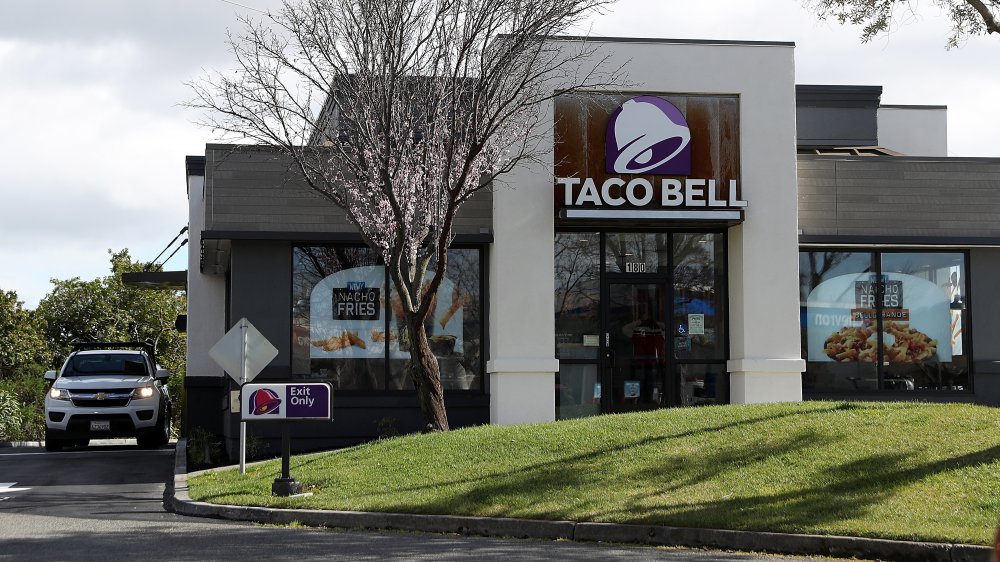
x: 348, y: 328
x: 637, y: 252
x: 699, y: 297
x: 889, y: 321
x: 577, y: 294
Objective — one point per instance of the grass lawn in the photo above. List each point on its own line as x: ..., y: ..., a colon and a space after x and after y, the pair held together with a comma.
x: 901, y: 470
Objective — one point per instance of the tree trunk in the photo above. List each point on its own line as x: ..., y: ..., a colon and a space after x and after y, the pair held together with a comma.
x: 426, y: 375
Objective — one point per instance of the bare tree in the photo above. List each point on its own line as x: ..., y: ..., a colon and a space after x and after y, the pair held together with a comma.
x: 968, y: 17
x: 398, y: 112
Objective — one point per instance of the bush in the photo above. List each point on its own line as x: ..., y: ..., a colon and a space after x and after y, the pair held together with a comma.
x: 203, y: 449
x: 10, y: 417
x: 25, y: 399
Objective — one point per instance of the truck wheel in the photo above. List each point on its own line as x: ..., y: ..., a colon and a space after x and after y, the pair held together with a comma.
x: 53, y: 443
x: 163, y: 428
x: 158, y: 435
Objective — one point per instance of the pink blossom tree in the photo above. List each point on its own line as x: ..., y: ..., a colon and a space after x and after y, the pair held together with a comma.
x: 398, y: 112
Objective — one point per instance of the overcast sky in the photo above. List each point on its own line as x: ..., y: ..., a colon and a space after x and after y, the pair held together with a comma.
x: 93, y: 140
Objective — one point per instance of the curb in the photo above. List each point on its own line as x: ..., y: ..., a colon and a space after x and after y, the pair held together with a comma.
x: 11, y: 444
x: 778, y: 543
x: 112, y: 442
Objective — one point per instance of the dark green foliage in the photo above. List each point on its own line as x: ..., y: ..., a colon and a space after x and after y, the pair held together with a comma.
x: 968, y: 17
x: 102, y: 309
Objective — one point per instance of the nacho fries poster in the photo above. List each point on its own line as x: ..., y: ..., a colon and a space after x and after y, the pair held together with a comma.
x: 347, y: 316
x: 842, y: 314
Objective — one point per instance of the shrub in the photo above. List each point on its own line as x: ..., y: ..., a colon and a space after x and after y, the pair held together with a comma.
x: 203, y: 449
x: 26, y: 395
x: 10, y: 417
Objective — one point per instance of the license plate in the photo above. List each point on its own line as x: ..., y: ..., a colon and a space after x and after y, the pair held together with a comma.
x: 100, y: 425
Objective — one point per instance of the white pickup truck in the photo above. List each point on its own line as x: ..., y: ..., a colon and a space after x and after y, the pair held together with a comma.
x: 105, y: 390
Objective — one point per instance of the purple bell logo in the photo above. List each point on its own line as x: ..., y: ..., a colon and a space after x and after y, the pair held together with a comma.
x: 265, y: 401
x: 648, y: 135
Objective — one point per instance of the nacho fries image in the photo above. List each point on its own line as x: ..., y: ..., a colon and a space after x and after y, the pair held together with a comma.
x: 344, y: 340
x: 906, y: 344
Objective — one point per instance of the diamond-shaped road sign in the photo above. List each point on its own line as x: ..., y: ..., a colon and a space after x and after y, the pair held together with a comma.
x: 229, y: 351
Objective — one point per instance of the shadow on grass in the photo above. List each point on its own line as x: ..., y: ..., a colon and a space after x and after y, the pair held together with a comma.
x: 558, y: 465
x: 555, y: 468
x: 855, y: 488
x: 847, y: 491
x: 566, y: 487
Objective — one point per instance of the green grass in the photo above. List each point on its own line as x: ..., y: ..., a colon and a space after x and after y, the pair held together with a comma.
x: 903, y: 471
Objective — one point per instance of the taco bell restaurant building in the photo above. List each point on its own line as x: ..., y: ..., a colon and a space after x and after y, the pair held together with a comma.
x: 712, y: 234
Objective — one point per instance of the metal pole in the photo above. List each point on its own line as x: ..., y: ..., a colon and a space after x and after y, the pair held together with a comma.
x: 286, y: 450
x: 243, y: 381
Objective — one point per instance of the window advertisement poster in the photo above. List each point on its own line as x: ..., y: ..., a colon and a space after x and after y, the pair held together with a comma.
x: 347, y: 315
x: 842, y: 316
x: 444, y: 326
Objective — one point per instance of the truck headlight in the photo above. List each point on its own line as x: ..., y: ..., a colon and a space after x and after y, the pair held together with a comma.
x: 59, y: 394
x: 143, y: 392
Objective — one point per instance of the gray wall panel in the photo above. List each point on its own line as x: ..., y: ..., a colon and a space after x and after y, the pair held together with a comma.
x: 899, y: 196
x: 984, y: 270
x: 260, y: 266
x: 255, y: 190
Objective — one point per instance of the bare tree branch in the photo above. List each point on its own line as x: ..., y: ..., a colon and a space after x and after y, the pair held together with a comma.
x: 400, y: 111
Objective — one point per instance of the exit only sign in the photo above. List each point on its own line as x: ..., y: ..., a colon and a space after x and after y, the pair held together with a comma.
x: 288, y: 401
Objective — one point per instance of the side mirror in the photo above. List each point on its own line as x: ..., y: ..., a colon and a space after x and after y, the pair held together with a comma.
x: 50, y: 375
x: 162, y: 374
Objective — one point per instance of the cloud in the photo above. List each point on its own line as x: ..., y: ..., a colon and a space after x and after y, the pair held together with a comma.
x: 94, y: 141
x: 911, y: 63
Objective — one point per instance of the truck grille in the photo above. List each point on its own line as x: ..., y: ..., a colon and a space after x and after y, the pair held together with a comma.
x: 109, y: 398
x: 106, y: 403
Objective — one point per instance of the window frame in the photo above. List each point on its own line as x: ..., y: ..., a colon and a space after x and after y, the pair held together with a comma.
x: 483, y: 252
x: 877, y: 270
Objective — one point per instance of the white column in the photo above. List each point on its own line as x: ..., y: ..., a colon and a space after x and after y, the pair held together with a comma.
x: 522, y: 361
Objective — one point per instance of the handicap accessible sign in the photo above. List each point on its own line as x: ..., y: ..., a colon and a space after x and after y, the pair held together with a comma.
x: 281, y: 402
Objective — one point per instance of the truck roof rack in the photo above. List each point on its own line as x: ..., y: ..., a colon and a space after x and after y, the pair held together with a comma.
x: 148, y: 348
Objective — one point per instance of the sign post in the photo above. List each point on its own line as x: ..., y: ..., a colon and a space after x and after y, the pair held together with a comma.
x: 243, y: 352
x: 285, y: 403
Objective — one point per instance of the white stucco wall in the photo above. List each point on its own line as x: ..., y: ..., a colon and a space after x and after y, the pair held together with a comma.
x: 522, y: 362
x: 765, y: 356
x: 206, y: 293
x: 916, y: 130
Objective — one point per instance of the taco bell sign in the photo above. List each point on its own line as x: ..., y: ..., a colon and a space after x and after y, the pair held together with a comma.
x: 648, y: 135
x: 656, y: 160
x: 282, y: 402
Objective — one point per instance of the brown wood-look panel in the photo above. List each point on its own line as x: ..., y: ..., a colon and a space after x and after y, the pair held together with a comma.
x: 581, y: 123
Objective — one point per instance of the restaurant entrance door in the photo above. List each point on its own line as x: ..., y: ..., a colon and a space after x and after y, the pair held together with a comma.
x: 637, y: 372
x: 640, y: 321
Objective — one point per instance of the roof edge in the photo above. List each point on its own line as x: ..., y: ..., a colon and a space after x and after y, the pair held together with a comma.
x: 667, y: 41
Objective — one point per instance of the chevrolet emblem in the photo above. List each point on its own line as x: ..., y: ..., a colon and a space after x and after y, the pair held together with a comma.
x: 100, y: 396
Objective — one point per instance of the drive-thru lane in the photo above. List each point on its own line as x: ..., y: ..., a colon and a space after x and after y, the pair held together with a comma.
x: 105, y: 503
x: 107, y: 482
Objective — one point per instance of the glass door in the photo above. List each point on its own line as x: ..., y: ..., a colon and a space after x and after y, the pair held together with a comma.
x: 637, y: 375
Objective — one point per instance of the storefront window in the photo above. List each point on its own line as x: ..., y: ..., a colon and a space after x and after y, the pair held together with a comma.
x: 577, y: 294
x: 699, y: 304
x: 883, y: 320
x: 578, y: 391
x: 923, y: 323
x: 636, y: 253
x: 348, y: 326
x: 454, y: 328
x: 703, y: 385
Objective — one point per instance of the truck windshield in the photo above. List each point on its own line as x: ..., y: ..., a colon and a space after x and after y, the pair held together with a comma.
x: 105, y: 364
